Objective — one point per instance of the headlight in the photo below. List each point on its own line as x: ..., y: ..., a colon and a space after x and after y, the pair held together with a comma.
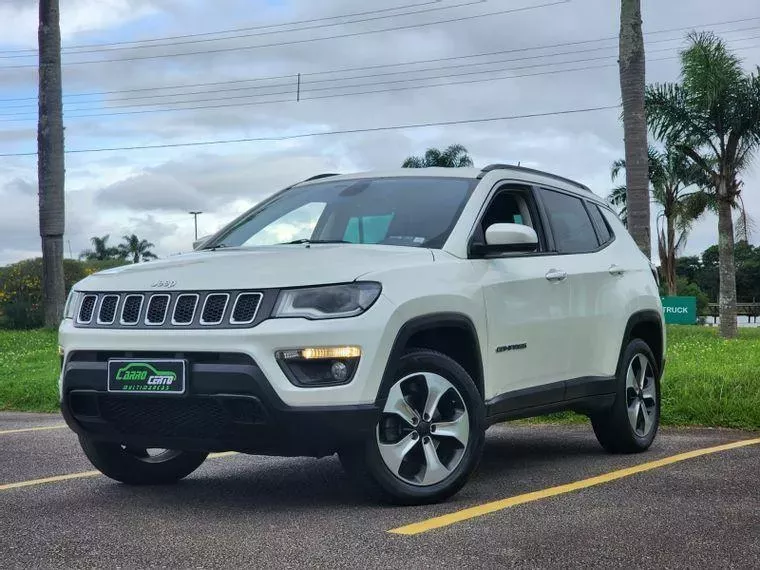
x: 330, y: 302
x: 72, y: 302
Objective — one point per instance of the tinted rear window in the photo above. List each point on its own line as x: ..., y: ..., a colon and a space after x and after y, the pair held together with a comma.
x: 571, y: 225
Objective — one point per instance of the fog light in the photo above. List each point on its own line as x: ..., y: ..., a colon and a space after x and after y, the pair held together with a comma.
x: 319, y: 366
x: 339, y: 370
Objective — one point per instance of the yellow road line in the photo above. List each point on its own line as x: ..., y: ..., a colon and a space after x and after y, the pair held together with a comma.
x: 22, y: 430
x: 81, y: 475
x: 56, y: 479
x: 494, y: 506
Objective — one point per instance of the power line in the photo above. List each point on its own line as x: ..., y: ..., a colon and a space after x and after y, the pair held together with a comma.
x: 230, y: 31
x: 306, y: 89
x: 267, y: 33
x: 305, y: 92
x: 404, y: 63
x: 306, y: 40
x: 330, y: 133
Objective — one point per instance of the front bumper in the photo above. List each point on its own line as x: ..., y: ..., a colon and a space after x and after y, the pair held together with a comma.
x: 229, y: 405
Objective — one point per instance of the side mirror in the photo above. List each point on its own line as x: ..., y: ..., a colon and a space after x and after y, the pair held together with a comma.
x: 510, y: 238
x: 200, y: 241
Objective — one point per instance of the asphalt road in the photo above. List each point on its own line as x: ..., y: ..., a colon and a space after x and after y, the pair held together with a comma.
x: 240, y: 511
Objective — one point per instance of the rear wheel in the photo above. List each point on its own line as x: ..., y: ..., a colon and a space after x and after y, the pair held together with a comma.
x: 430, y: 435
x: 630, y: 426
x: 140, y: 466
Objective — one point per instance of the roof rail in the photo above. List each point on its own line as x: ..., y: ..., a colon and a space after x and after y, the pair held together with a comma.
x: 318, y: 176
x: 491, y: 167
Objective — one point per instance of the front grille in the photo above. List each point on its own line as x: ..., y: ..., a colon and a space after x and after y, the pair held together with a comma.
x: 157, y: 306
x: 107, y: 312
x: 213, y: 309
x: 87, y: 308
x: 168, y: 417
x: 130, y: 313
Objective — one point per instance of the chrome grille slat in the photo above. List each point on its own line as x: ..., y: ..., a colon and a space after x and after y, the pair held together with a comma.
x: 214, y: 307
x: 87, y: 309
x: 246, y: 308
x: 158, y: 305
x: 184, y: 309
x: 131, y: 309
x: 108, y: 306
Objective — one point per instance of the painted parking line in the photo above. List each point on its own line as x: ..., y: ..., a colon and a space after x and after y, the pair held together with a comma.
x: 41, y: 428
x: 494, y: 506
x: 81, y: 475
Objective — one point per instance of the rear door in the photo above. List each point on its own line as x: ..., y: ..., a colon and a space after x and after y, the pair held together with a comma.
x: 592, y: 284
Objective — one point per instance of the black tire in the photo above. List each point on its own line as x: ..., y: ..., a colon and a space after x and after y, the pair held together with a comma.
x: 613, y: 429
x: 365, y: 463
x: 135, y: 467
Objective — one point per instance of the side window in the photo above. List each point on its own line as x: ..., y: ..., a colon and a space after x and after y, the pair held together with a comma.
x: 571, y: 225
x: 512, y: 204
x: 367, y: 229
x: 605, y: 234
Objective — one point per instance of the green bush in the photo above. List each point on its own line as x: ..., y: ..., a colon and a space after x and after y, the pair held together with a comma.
x: 21, y: 289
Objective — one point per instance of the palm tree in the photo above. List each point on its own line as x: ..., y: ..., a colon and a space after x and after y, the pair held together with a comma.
x: 50, y: 162
x: 100, y: 250
x: 713, y: 117
x: 670, y: 176
x: 136, y: 248
x: 454, y: 156
x: 631, y: 62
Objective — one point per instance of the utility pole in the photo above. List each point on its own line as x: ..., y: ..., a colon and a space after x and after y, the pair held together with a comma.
x: 50, y: 162
x: 195, y: 218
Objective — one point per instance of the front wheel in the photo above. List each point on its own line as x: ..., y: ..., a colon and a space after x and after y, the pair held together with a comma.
x: 631, y: 424
x: 139, y: 466
x: 430, y: 435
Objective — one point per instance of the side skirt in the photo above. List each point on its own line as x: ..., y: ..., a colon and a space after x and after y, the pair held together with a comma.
x: 585, y: 395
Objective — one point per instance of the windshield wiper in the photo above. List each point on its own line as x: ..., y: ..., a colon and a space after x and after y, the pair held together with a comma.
x: 311, y: 241
x: 215, y: 247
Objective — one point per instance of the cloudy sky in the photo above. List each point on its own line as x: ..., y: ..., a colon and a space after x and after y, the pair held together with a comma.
x: 147, y: 73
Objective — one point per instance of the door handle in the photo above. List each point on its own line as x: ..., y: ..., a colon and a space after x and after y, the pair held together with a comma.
x: 616, y: 270
x: 556, y: 275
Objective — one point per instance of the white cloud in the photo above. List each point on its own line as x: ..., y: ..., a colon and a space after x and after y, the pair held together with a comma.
x: 151, y: 190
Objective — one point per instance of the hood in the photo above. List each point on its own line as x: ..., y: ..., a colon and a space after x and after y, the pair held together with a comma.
x: 257, y: 268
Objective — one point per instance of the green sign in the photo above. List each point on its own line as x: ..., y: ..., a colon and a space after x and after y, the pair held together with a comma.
x: 680, y: 310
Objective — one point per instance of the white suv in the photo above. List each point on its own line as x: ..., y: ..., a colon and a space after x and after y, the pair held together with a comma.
x: 388, y: 317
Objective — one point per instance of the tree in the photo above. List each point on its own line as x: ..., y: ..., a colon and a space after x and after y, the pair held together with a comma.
x: 136, y: 248
x: 713, y: 116
x: 50, y: 162
x: 454, y: 156
x: 670, y: 176
x: 100, y: 250
x: 632, y: 83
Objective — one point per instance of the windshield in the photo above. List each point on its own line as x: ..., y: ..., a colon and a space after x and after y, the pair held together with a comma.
x: 410, y: 211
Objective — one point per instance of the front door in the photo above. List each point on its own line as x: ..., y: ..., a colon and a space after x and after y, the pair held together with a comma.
x: 527, y: 305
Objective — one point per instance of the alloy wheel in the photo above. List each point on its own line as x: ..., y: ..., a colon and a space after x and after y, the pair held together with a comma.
x: 424, y: 429
x: 641, y: 395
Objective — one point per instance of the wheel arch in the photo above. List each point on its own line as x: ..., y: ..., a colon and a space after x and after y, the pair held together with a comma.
x: 453, y: 334
x: 648, y: 326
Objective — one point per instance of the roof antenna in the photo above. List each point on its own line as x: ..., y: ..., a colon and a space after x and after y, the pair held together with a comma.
x: 518, y: 163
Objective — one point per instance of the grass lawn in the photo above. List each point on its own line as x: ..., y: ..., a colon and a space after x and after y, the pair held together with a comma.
x: 708, y: 381
x: 29, y: 370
